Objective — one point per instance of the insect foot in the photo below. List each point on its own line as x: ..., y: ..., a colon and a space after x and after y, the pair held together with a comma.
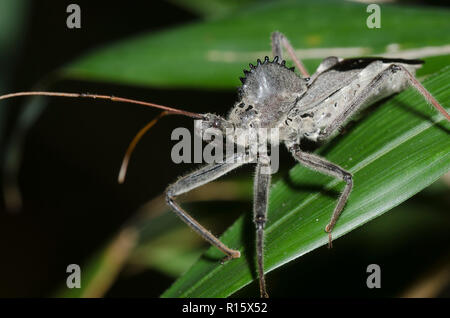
x: 225, y: 259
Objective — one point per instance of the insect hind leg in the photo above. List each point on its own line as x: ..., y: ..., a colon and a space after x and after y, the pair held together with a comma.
x: 421, y: 89
x: 278, y: 41
x: 377, y: 83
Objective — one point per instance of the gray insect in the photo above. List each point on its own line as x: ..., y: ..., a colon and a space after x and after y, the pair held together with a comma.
x: 273, y: 96
x: 310, y: 107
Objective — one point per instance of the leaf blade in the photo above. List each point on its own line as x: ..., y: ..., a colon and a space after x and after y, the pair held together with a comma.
x: 215, y: 52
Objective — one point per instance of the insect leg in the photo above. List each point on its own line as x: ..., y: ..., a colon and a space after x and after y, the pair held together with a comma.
x: 279, y: 40
x: 422, y: 90
x: 377, y: 83
x: 193, y: 180
x: 260, y: 197
x: 322, y: 165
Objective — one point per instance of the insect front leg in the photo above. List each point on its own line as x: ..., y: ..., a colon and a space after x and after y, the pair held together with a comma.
x: 260, y: 197
x: 322, y: 165
x: 193, y: 180
x: 278, y: 41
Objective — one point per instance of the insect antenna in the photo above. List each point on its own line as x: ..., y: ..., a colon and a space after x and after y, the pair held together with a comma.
x: 166, y: 111
x: 107, y: 97
x: 133, y: 143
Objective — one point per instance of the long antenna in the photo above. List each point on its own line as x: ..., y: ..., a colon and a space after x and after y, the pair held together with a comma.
x: 133, y: 143
x: 107, y: 97
x: 166, y: 111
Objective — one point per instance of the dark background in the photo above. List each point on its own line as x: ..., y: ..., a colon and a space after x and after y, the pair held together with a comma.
x: 73, y: 204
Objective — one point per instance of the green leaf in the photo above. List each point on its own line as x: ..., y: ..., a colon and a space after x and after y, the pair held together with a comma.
x: 399, y: 149
x: 212, y: 54
x: 211, y: 9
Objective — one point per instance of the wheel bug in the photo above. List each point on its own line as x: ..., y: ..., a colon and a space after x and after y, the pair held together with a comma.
x: 301, y: 107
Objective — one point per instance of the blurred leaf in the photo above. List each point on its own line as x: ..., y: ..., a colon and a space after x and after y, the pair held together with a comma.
x: 12, y: 18
x: 212, y: 8
x: 156, y: 238
x: 14, y: 152
x: 212, y: 54
x: 12, y: 14
x: 394, y: 153
x: 103, y: 268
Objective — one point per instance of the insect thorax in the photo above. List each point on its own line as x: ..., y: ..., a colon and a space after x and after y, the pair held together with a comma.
x: 269, y: 90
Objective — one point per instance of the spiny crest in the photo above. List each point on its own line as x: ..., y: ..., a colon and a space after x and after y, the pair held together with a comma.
x: 266, y: 61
